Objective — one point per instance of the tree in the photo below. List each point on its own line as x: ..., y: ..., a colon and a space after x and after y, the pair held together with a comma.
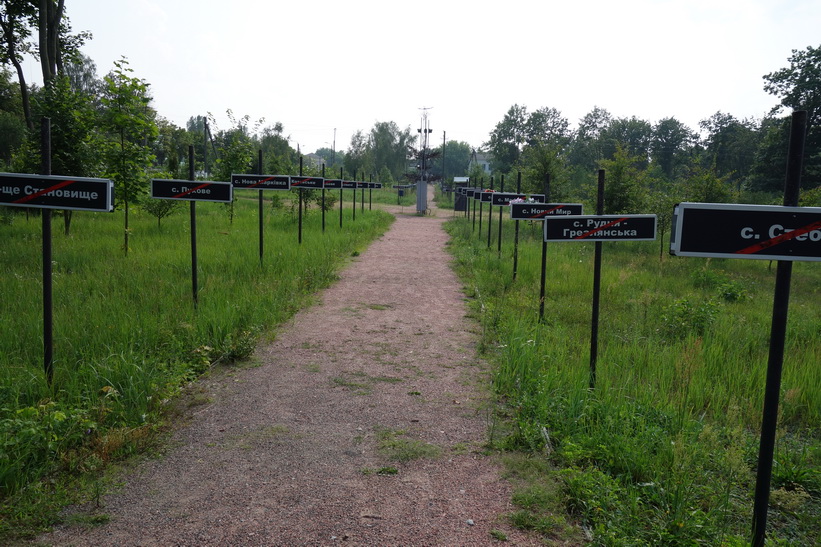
x: 508, y: 138
x: 55, y: 41
x: 357, y: 154
x: 799, y: 85
x: 770, y: 163
x: 730, y: 146
x: 547, y: 125
x: 799, y: 88
x: 12, y: 123
x: 623, y: 190
x: 587, y: 147
x: 670, y: 139
x: 128, y: 121
x: 633, y: 134
x: 235, y: 150
x: 539, y: 159
x: 278, y: 155
x: 388, y: 146
x: 161, y: 208
x: 15, y: 16
x: 454, y: 161
x: 170, y: 148
x: 704, y: 185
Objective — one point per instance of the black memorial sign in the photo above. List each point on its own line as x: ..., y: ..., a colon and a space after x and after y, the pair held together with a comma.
x: 766, y: 232
x: 333, y: 183
x: 348, y: 184
x: 504, y: 198
x: 538, y: 198
x: 484, y: 197
x: 600, y: 228
x: 262, y: 182
x: 192, y: 190
x: 538, y: 211
x: 56, y: 192
x: 307, y: 182
x: 375, y: 185
x: 470, y: 192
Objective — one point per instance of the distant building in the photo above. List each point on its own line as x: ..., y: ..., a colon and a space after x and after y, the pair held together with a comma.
x: 482, y: 159
x: 314, y: 160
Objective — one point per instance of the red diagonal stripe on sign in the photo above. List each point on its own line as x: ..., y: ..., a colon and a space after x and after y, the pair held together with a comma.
x: 62, y: 184
x: 546, y: 211
x: 752, y: 249
x: 193, y: 190
x: 261, y: 182
x: 591, y: 232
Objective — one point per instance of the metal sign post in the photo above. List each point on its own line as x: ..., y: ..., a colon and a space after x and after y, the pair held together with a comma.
x: 599, y: 228
x: 260, y: 182
x: 192, y: 191
x: 516, y: 232
x: 499, y: 240
x: 49, y: 192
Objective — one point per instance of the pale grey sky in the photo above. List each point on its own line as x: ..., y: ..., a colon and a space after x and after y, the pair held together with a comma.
x: 317, y: 65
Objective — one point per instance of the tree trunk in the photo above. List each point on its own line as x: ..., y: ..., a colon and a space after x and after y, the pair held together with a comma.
x: 24, y: 92
x: 10, y: 38
x: 49, y: 37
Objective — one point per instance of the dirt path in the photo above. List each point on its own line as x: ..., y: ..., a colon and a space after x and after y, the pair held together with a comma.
x: 301, y: 450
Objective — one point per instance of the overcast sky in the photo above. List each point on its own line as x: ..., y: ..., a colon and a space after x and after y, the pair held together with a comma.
x: 316, y: 65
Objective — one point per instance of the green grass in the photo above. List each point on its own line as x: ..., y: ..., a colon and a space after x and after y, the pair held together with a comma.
x: 126, y: 332
x: 665, y: 448
x: 394, y: 445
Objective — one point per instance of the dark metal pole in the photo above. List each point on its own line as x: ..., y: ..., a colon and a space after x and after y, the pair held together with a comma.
x: 341, y: 190
x: 261, y: 211
x: 300, y: 202
x: 489, y: 217
x: 193, y: 216
x: 594, y: 322
x: 778, y: 334
x: 544, y: 251
x: 48, y: 307
x: 516, y: 233
x: 481, y: 184
x: 323, y: 198
x: 481, y: 214
x: 499, y: 243
x: 370, y: 194
x: 362, y: 195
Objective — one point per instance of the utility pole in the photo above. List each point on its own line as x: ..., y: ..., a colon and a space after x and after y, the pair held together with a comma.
x: 422, y: 186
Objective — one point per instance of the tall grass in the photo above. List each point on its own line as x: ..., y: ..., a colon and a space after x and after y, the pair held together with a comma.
x: 664, y: 449
x: 126, y: 331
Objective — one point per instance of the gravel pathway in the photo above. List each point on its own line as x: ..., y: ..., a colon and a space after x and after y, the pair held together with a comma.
x: 362, y: 425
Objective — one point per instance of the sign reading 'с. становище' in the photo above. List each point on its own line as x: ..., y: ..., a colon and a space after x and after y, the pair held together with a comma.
x: 56, y: 192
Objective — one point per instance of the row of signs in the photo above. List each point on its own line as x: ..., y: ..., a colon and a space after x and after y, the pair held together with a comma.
x: 222, y: 191
x: 91, y: 194
x: 763, y: 232
x: 699, y: 229
x: 285, y: 182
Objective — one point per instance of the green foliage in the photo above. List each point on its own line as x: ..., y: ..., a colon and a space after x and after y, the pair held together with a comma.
x: 128, y: 122
x: 235, y: 148
x: 128, y: 341
x: 663, y: 450
x: 682, y: 317
x: 623, y: 189
x: 161, y: 208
